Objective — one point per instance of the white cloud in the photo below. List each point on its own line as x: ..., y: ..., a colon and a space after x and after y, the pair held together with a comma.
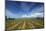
x: 26, y: 15
x: 33, y: 15
x: 37, y: 15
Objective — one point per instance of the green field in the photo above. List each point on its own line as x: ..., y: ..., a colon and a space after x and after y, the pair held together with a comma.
x: 24, y: 24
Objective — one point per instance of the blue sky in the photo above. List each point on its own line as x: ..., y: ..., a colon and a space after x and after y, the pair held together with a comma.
x: 17, y: 9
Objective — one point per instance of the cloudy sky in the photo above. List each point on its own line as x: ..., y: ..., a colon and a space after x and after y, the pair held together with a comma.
x: 17, y: 9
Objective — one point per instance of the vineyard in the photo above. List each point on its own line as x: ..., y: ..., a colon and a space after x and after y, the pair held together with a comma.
x: 24, y: 24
